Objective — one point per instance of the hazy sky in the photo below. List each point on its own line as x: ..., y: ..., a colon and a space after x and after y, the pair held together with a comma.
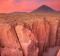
x: 26, y: 5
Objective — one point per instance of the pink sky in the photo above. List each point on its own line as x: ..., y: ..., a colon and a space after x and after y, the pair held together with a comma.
x: 26, y: 5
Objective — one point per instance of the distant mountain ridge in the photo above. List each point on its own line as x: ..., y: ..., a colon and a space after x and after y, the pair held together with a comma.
x: 16, y: 12
x: 44, y: 9
x: 41, y: 9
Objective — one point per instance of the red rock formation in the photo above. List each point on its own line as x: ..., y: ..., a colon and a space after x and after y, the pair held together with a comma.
x: 41, y: 35
x: 58, y: 35
x: 45, y: 32
x: 27, y: 40
x: 9, y: 44
x: 36, y: 35
x: 53, y: 32
x: 38, y: 28
x: 58, y: 54
x: 8, y: 36
x: 11, y: 52
x: 47, y: 29
x: 34, y: 27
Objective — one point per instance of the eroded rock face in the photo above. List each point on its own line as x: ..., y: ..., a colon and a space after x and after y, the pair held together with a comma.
x: 58, y: 35
x: 41, y: 29
x: 9, y: 44
x: 11, y: 52
x: 41, y: 34
x: 30, y: 39
x: 8, y: 36
x: 53, y: 32
x: 58, y: 54
x: 27, y: 40
x: 47, y: 30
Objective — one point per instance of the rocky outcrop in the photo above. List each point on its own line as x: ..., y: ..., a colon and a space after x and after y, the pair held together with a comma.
x: 28, y: 41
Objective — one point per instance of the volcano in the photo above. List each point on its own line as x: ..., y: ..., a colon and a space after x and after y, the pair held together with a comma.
x: 44, y: 9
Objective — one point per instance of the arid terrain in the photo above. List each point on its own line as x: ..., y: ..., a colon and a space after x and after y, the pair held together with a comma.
x: 30, y: 34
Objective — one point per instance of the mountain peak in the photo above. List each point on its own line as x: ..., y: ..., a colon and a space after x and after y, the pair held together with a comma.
x: 44, y: 9
x: 44, y: 6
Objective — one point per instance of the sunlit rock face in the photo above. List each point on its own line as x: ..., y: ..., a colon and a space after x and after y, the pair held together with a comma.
x: 28, y: 41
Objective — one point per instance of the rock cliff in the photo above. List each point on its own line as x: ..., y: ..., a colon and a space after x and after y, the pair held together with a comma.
x: 32, y: 38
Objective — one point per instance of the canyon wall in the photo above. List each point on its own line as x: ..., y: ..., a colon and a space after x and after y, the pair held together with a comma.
x: 31, y: 38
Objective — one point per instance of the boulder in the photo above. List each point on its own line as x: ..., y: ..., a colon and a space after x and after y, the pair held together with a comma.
x: 11, y: 52
x: 8, y: 37
x: 27, y: 40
